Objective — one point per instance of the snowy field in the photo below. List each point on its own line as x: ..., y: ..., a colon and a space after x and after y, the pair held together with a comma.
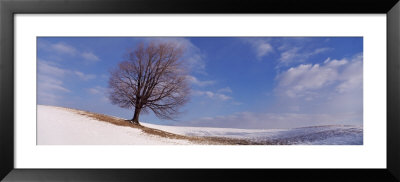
x: 316, y: 135
x: 59, y: 126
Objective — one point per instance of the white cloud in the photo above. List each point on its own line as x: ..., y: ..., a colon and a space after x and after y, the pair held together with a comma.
x: 295, y: 54
x: 289, y: 55
x: 100, y: 93
x: 50, y: 86
x: 223, y: 97
x: 333, y: 87
x: 300, y: 80
x: 49, y: 68
x: 51, y: 81
x: 212, y: 95
x: 263, y: 49
x: 63, y: 48
x: 48, y: 83
x: 90, y: 56
x: 225, y: 90
x: 58, y: 48
x: 352, y: 76
x: 93, y: 91
x: 320, y: 50
x: 197, y: 82
x: 96, y: 90
x: 261, y: 46
x: 84, y: 76
x: 193, y: 57
x: 196, y: 62
x: 47, y: 98
x: 305, y: 79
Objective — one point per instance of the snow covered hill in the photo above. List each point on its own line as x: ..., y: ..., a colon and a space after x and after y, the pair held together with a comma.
x: 315, y: 135
x: 60, y: 126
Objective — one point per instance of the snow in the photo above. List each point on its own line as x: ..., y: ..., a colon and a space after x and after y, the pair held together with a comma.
x: 316, y: 135
x: 60, y: 126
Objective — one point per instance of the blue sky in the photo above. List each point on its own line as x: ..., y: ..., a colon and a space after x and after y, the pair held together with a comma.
x: 238, y: 82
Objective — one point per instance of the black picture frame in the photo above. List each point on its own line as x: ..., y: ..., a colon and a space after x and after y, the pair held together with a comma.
x: 9, y: 8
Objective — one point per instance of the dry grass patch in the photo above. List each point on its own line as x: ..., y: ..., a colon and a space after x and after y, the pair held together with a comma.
x: 161, y: 133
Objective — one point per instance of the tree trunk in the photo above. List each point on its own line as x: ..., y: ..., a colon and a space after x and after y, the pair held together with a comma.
x: 135, y: 119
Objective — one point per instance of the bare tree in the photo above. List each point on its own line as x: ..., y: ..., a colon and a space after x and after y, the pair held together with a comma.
x: 152, y: 77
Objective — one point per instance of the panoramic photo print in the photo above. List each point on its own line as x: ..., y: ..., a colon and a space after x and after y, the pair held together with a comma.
x: 199, y: 91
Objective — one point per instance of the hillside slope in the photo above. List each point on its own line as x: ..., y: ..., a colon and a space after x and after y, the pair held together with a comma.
x: 314, y: 135
x: 63, y: 126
